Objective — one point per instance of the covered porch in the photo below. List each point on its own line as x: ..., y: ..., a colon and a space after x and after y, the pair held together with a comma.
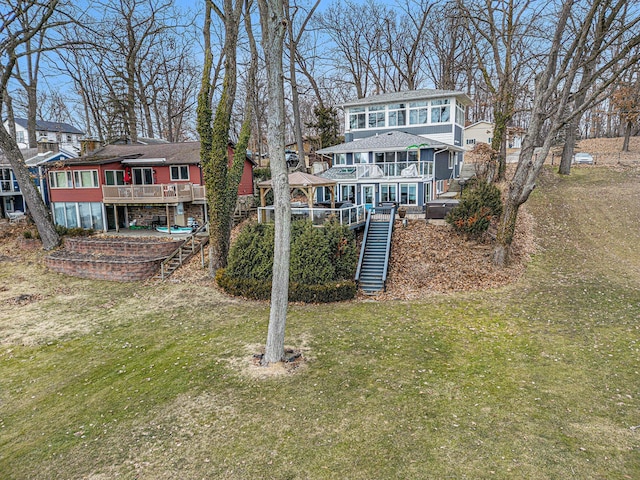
x: 345, y: 213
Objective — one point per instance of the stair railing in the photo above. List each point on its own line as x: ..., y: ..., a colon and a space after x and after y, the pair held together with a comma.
x: 164, y: 271
x: 392, y: 218
x: 362, y: 247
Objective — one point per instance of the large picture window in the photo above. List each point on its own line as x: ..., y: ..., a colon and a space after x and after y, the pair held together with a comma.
x: 86, y: 178
x: 408, y: 193
x: 180, y: 172
x: 376, y: 116
x: 142, y: 176
x: 348, y: 193
x: 60, y: 180
x: 114, y: 177
x: 388, y: 192
x: 440, y: 111
x: 418, y: 113
x: 397, y: 115
x: 357, y: 118
x: 360, y: 157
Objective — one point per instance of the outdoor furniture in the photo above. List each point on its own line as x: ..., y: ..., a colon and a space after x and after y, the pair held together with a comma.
x: 16, y: 216
x: 158, y: 221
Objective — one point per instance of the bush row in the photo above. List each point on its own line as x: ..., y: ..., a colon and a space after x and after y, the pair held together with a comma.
x: 298, y: 292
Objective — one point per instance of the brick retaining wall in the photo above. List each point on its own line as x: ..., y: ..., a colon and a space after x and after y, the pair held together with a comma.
x: 124, y: 247
x: 117, y: 259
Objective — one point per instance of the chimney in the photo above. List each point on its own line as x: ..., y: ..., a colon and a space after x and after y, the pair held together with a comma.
x: 46, y: 146
x: 88, y: 146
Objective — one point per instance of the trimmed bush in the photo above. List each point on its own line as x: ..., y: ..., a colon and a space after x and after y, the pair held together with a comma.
x: 322, y: 266
x: 298, y: 292
x: 479, y: 206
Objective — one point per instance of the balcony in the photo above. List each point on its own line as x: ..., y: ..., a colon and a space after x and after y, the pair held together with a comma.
x: 171, y: 193
x: 381, y: 170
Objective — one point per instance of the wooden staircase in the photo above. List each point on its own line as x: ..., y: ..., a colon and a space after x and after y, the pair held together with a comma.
x: 193, y: 244
x: 371, y: 274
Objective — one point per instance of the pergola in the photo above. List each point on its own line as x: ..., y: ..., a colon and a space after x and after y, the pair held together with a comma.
x: 306, y: 183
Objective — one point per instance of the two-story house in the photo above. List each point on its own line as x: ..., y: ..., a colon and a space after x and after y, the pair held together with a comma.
x: 66, y: 135
x: 133, y: 185
x: 402, y: 147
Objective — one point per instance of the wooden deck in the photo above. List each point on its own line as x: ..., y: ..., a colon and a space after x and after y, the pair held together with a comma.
x: 172, y: 193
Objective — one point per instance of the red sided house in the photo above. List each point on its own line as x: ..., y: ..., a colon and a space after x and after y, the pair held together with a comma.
x: 133, y: 185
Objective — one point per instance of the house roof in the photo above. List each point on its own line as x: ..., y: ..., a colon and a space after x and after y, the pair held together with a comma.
x: 300, y: 179
x: 481, y: 122
x: 182, y: 153
x: 410, y: 95
x: 45, y: 126
x: 26, y: 153
x: 389, y: 141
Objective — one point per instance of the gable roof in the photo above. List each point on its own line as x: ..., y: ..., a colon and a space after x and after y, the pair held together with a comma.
x: 388, y: 141
x: 410, y: 95
x: 181, y: 153
x: 26, y: 153
x: 45, y: 126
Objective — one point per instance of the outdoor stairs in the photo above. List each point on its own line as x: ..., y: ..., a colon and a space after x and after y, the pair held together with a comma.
x: 193, y: 244
x: 374, y: 255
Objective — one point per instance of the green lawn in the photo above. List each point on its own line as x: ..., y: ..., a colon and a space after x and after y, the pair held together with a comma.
x: 537, y: 380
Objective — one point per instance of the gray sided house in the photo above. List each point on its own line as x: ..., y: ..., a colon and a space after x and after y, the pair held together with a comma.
x: 404, y: 148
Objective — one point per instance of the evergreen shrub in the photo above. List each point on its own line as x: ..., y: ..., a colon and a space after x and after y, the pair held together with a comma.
x: 478, y: 207
x: 322, y: 265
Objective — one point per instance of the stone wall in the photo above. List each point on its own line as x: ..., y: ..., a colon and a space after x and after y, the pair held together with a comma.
x: 116, y: 259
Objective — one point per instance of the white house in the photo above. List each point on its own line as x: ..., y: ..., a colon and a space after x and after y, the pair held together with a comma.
x: 479, y: 132
x: 401, y: 147
x: 67, y: 136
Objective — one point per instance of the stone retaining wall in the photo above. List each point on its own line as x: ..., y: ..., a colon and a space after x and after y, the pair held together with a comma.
x: 116, y: 259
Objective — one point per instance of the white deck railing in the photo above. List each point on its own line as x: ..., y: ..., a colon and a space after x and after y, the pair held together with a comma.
x: 319, y: 216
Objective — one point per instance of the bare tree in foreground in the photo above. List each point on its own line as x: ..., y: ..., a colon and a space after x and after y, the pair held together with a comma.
x: 15, y: 37
x: 273, y: 20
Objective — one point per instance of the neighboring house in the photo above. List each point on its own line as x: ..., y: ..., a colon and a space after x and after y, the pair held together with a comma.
x: 67, y: 136
x: 11, y: 198
x: 403, y: 148
x: 479, y: 132
x: 125, y: 185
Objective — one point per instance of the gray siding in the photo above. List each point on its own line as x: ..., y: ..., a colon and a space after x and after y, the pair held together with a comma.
x: 417, y: 130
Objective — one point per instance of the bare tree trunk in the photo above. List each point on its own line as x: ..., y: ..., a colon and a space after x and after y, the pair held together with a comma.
x: 627, y: 135
x: 37, y: 209
x: 273, y: 20
x: 568, y: 147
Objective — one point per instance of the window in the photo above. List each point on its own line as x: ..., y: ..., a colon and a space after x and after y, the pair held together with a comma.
x: 418, y: 113
x: 357, y: 118
x: 114, y: 177
x: 453, y: 159
x: 60, y: 180
x: 408, y: 193
x: 459, y: 114
x: 388, y: 192
x: 440, y: 111
x: 376, y: 116
x: 348, y: 193
x: 68, y: 138
x: 339, y: 158
x: 180, y: 172
x: 360, y: 157
x: 439, y: 187
x: 81, y: 214
x: 397, y: 115
x: 86, y: 178
x: 378, y: 157
x: 20, y: 137
x: 142, y: 176
x: 471, y: 141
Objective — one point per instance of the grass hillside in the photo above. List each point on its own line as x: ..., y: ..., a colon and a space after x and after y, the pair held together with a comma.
x: 539, y: 379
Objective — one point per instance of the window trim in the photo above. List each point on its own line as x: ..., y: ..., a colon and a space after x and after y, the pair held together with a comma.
x: 179, y: 169
x: 77, y: 179
x: 408, y: 185
x: 53, y: 179
x: 115, y: 177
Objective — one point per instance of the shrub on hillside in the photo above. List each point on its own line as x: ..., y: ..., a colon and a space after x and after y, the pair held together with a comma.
x: 480, y: 204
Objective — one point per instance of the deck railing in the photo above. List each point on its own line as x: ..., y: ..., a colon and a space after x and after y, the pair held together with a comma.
x: 396, y: 169
x: 162, y: 193
x: 349, y: 216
